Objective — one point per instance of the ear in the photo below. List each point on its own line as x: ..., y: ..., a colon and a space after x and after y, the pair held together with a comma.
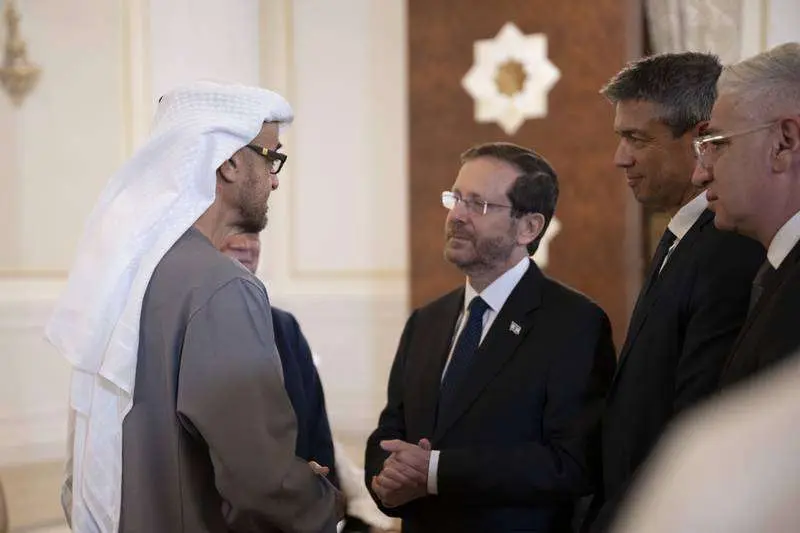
x: 227, y: 170
x: 699, y: 129
x: 787, y: 147
x: 529, y: 228
x: 687, y: 139
x: 220, y: 182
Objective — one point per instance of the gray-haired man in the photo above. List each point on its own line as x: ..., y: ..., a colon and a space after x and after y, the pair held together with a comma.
x: 750, y: 162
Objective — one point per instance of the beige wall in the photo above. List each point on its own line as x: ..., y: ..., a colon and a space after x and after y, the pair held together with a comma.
x: 69, y: 134
x: 336, y: 246
x: 335, y: 252
x: 784, y: 21
x: 58, y: 149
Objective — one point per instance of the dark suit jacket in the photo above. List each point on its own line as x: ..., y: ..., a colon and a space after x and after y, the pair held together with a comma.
x: 314, y: 441
x: 772, y: 330
x: 513, y: 447
x: 678, y: 339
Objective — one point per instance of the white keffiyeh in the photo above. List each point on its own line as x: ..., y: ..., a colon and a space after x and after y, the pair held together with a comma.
x: 146, y: 206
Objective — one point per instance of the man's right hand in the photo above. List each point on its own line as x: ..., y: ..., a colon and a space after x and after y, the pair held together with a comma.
x: 340, y: 506
x: 319, y: 469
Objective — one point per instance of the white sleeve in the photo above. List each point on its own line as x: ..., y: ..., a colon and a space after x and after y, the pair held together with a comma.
x: 433, y: 469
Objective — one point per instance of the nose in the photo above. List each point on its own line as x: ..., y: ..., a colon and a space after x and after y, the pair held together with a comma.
x: 274, y: 181
x: 459, y: 213
x: 702, y: 176
x: 623, y: 158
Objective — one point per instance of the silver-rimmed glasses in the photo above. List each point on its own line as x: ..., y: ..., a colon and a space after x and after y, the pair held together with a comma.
x: 708, y: 147
x: 477, y: 207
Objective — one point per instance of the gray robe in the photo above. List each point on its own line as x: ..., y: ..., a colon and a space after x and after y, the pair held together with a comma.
x: 209, y: 443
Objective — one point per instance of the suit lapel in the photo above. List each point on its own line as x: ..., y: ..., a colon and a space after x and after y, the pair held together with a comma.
x: 770, y: 290
x: 508, y: 330
x: 681, y: 253
x: 437, y: 336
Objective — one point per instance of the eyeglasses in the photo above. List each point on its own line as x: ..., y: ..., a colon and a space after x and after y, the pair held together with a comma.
x: 477, y: 207
x: 707, y: 148
x: 275, y: 160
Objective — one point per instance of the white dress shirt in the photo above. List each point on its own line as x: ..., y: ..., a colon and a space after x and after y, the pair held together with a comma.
x: 495, y: 295
x: 784, y: 241
x: 683, y: 220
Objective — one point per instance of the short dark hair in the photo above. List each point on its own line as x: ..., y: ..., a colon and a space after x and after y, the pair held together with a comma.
x: 536, y: 188
x: 683, y: 84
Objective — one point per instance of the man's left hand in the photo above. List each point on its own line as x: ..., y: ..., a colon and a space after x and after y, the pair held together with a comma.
x: 404, y: 476
x: 416, y: 457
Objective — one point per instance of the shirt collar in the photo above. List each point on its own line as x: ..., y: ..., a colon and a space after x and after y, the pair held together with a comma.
x: 784, y: 241
x: 687, y: 215
x: 500, y: 289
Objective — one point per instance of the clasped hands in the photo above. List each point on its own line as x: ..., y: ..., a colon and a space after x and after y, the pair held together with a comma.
x: 404, y: 476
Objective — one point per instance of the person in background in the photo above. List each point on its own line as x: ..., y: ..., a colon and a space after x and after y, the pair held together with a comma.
x: 304, y: 387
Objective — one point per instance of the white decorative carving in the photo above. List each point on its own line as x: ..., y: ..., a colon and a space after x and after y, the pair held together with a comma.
x: 542, y: 255
x: 510, y: 78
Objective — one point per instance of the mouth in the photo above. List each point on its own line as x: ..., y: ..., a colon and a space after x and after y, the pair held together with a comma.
x: 711, y: 197
x: 633, y: 180
x: 455, y: 238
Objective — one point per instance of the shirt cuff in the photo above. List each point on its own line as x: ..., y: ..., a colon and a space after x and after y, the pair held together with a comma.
x: 433, y: 469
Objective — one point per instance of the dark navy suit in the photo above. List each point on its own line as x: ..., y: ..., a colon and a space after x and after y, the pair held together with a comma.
x: 314, y: 441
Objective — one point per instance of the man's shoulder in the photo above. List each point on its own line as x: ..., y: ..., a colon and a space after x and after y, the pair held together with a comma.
x: 719, y: 250
x: 284, y: 322
x: 554, y: 294
x: 442, y: 304
x: 787, y: 288
x: 193, y: 267
x: 283, y: 315
x: 560, y: 299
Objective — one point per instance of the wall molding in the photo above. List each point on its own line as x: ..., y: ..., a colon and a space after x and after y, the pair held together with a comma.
x: 136, y: 108
x: 277, y: 50
x: 137, y: 68
x: 31, y: 313
x: 754, y: 29
x: 33, y: 436
x: 33, y: 427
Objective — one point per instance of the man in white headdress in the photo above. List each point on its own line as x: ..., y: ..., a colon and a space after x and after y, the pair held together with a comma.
x: 181, y: 422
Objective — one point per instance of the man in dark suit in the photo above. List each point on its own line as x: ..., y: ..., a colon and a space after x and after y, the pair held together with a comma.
x: 750, y: 163
x: 496, y: 385
x: 695, y: 296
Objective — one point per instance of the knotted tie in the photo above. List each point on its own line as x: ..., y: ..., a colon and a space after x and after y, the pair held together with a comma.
x: 464, y: 350
x: 759, y: 282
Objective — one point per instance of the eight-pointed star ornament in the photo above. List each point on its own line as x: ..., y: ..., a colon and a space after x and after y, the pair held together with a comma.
x: 510, y: 78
